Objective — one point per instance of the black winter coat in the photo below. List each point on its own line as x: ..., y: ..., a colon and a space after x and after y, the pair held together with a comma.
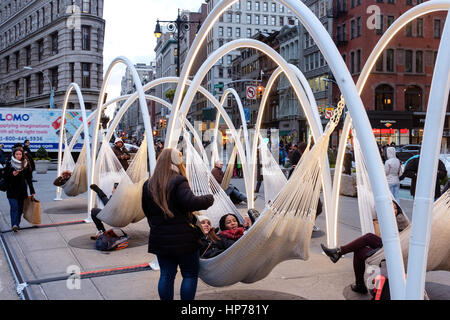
x: 17, y: 185
x: 174, y: 236
x: 211, y: 249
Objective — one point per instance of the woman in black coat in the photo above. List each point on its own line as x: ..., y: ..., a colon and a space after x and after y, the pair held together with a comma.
x: 168, y: 203
x: 18, y: 176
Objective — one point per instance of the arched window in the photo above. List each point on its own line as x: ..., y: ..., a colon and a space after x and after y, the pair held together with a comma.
x: 413, y: 98
x: 384, y: 98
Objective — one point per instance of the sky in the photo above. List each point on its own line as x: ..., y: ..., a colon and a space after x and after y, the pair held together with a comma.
x: 129, y: 32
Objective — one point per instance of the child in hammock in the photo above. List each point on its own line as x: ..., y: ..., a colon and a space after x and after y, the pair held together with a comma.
x: 63, y: 178
x: 95, y: 211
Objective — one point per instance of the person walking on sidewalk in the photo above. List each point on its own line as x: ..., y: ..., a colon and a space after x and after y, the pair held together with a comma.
x: 393, y: 170
x: 362, y: 248
x: 168, y: 203
x: 18, y: 176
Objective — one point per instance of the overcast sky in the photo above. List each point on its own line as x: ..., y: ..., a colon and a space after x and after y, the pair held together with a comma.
x: 129, y: 31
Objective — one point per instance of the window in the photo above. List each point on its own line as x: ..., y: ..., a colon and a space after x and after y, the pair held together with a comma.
x: 409, y: 2
x: 238, y: 32
x: 228, y: 59
x: 72, y: 72
x: 265, y: 7
x: 249, y: 33
x: 408, y: 29
x: 54, y: 39
x: 17, y: 88
x: 220, y: 31
x: 273, y: 6
x: 249, y: 19
x: 419, y: 61
x: 408, y: 60
x: 265, y: 20
x: 281, y: 21
x: 238, y: 5
x: 358, y: 27
x: 358, y: 60
x: 257, y: 6
x: 273, y: 21
x: 86, y: 37
x: 40, y: 49
x: 54, y: 77
x: 238, y: 18
x: 413, y: 98
x: 384, y: 98
x: 249, y: 5
x: 72, y: 38
x: 17, y: 57
x: 352, y: 62
x: 281, y: 8
x: 28, y: 55
x: 419, y: 28
x: 390, y: 60
x: 437, y: 28
x: 86, y: 6
x: 390, y: 20
x: 86, y: 75
x: 256, y: 19
x: 229, y: 32
x: 379, y: 64
x: 380, y: 24
x: 229, y: 17
x: 352, y: 29
x: 28, y: 86
x: 40, y: 78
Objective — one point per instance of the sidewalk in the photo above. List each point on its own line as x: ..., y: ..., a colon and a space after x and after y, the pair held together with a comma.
x: 49, y: 252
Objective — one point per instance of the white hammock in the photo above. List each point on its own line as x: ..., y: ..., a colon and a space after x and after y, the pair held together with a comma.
x: 124, y: 206
x: 274, y: 178
x: 138, y: 168
x: 229, y: 171
x: 439, y: 249
x: 77, y: 184
x: 202, y: 182
x: 283, y: 230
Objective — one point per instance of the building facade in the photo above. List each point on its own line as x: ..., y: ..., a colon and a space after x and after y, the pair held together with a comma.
x: 45, y: 46
x: 132, y: 123
x: 397, y: 92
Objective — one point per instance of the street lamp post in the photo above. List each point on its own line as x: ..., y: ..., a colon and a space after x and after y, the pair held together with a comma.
x: 178, y: 26
x: 52, y: 92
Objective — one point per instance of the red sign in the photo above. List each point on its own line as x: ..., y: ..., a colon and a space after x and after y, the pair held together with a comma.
x: 251, y: 93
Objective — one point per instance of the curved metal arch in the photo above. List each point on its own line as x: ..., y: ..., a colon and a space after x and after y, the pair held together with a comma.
x: 143, y: 109
x: 86, y: 137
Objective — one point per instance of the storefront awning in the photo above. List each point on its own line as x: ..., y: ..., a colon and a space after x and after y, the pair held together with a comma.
x: 390, y: 119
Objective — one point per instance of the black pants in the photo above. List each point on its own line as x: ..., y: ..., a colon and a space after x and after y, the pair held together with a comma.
x: 258, y: 185
x: 95, y: 211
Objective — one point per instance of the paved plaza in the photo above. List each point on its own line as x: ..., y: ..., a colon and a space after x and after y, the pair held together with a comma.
x: 52, y: 252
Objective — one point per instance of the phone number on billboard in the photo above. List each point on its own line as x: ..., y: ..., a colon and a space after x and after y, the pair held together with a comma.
x: 21, y: 139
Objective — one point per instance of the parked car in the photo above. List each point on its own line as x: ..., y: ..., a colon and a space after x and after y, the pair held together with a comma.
x: 445, y: 158
x: 407, y: 151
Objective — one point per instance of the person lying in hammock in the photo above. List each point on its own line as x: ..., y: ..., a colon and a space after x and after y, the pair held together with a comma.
x: 212, y: 244
x: 95, y: 211
x: 362, y: 248
x: 63, y: 178
x: 215, y: 244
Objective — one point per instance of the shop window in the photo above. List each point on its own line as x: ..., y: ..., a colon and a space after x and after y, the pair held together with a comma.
x: 413, y: 98
x: 384, y: 98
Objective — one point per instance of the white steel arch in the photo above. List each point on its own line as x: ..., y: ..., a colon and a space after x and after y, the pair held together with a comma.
x: 86, y: 136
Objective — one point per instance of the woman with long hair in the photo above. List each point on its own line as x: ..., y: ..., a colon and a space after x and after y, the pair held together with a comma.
x: 168, y: 203
x: 18, y: 176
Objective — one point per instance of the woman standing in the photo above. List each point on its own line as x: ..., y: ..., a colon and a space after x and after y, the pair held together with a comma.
x: 393, y: 170
x: 18, y: 176
x: 168, y: 203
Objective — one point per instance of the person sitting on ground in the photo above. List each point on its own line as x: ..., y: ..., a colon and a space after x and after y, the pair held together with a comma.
x: 95, y: 211
x: 362, y: 248
x: 212, y: 244
x: 63, y: 178
x: 121, y: 153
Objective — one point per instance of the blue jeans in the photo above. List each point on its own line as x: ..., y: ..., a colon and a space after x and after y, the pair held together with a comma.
x: 16, y: 210
x: 189, y: 264
x: 395, y: 189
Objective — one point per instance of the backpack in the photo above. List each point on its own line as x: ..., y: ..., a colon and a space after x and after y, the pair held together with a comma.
x: 110, y: 241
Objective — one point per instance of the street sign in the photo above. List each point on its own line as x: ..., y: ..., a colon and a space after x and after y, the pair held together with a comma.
x: 250, y: 92
x: 220, y: 85
x: 328, y: 114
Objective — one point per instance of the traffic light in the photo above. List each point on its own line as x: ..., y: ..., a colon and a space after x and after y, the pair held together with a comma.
x: 123, y: 133
x: 259, y: 91
x: 161, y: 122
x: 165, y: 123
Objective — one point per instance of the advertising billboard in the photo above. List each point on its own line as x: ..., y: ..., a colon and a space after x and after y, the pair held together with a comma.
x: 40, y: 126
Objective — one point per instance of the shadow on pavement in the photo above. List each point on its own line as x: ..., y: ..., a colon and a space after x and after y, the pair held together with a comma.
x: 137, y: 239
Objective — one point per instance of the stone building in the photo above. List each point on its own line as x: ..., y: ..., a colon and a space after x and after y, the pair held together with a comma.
x: 45, y: 46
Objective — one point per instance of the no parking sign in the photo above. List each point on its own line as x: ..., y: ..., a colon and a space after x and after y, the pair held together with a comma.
x: 251, y: 92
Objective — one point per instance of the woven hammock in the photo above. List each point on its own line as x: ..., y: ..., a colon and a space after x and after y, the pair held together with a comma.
x: 77, y: 184
x: 124, y: 206
x: 439, y: 249
x: 202, y: 182
x: 138, y: 168
x: 282, y: 231
x: 274, y: 178
x: 229, y: 170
